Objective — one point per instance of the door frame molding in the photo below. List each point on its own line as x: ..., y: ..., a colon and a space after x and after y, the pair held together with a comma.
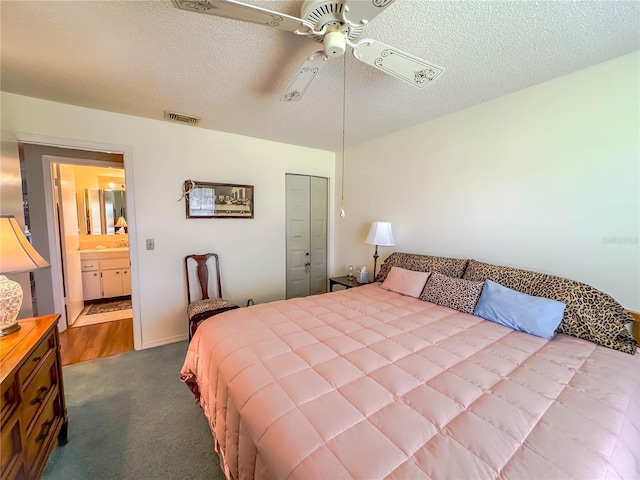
x: 54, y: 243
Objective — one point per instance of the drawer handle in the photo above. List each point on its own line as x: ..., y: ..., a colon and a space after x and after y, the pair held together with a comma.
x: 36, y: 359
x: 44, y: 431
x: 42, y: 392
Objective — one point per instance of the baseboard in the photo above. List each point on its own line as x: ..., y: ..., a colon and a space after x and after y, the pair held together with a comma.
x: 165, y: 341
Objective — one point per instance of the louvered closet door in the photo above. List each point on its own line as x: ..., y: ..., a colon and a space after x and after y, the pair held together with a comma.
x: 306, y: 218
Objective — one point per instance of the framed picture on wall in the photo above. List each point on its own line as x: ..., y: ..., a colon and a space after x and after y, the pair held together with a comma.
x: 218, y: 200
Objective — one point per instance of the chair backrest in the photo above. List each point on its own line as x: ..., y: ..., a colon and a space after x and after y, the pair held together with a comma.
x: 202, y: 273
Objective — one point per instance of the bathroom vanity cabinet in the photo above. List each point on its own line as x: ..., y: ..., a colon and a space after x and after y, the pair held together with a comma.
x: 105, y: 274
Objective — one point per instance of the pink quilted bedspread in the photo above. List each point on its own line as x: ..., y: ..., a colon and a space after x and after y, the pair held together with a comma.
x: 366, y: 383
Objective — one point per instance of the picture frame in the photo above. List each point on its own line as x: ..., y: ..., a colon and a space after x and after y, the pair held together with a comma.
x: 218, y: 200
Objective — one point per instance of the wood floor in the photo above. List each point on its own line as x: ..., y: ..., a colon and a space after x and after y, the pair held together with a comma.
x: 96, y: 341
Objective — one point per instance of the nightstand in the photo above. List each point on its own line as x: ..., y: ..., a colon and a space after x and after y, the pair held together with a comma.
x: 344, y: 281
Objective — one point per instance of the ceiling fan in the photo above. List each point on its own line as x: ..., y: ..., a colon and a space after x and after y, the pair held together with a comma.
x: 334, y: 23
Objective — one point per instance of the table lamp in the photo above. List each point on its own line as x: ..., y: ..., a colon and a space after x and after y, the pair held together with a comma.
x: 121, y: 224
x: 16, y: 255
x: 379, y: 234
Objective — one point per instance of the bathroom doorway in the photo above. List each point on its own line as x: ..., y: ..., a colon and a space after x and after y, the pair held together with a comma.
x: 40, y: 167
x: 90, y: 202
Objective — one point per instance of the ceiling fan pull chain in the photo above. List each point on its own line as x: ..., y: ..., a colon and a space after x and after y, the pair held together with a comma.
x: 344, y: 115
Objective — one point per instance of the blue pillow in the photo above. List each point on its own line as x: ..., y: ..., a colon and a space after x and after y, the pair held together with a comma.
x: 538, y: 316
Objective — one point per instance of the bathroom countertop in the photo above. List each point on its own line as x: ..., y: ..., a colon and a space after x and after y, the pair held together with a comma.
x: 104, y: 250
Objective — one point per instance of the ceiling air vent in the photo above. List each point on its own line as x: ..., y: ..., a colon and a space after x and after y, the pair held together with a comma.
x: 179, y: 117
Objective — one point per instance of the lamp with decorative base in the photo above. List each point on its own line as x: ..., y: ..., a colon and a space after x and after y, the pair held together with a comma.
x: 16, y: 255
x: 380, y: 234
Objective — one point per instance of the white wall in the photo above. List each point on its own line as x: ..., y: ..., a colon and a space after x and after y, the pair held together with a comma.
x: 11, y: 204
x: 545, y: 179
x: 161, y: 156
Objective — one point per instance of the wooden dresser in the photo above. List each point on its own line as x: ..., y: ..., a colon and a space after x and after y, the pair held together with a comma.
x: 32, y: 408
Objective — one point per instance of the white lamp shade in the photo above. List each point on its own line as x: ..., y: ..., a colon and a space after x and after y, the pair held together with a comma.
x: 16, y: 253
x: 380, y: 234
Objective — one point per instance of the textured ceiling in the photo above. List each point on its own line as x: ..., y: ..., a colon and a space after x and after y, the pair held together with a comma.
x: 145, y: 57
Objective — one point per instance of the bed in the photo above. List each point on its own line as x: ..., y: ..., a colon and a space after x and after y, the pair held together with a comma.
x: 370, y: 383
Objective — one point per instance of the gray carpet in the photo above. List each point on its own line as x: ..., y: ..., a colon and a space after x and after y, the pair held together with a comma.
x: 130, y: 417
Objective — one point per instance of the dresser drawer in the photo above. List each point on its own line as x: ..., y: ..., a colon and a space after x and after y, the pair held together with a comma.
x: 9, y: 399
x: 35, y: 359
x: 10, y: 444
x: 44, y: 428
x: 44, y: 379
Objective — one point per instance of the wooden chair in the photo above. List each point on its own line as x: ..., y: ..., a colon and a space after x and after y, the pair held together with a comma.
x: 199, y: 310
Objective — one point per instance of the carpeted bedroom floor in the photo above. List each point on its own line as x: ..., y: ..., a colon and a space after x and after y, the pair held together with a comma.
x: 130, y: 417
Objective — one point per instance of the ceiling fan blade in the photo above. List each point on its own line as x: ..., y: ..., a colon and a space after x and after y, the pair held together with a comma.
x: 366, y: 10
x: 303, y: 77
x: 402, y: 65
x: 246, y: 13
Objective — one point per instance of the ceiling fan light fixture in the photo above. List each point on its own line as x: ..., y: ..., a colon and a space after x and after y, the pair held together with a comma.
x: 335, y: 44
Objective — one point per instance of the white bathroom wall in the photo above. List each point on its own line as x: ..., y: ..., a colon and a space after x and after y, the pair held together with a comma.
x: 545, y: 179
x: 162, y: 156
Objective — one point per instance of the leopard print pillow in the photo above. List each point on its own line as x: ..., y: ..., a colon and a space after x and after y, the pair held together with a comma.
x: 590, y: 314
x: 456, y: 293
x: 451, y: 267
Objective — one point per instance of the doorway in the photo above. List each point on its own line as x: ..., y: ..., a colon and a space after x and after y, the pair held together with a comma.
x: 38, y: 160
x: 306, y: 229
x: 92, y: 228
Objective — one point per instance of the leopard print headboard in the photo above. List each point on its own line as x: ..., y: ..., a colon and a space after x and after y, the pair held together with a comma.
x: 590, y: 314
x: 451, y: 267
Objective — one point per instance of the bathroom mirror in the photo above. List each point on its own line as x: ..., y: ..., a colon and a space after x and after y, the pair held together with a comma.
x: 101, y: 210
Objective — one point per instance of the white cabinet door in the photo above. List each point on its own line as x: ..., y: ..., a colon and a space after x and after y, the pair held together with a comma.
x: 126, y: 282
x: 112, y: 283
x: 91, y: 285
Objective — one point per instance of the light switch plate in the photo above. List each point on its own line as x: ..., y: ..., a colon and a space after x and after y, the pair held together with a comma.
x: 150, y: 244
